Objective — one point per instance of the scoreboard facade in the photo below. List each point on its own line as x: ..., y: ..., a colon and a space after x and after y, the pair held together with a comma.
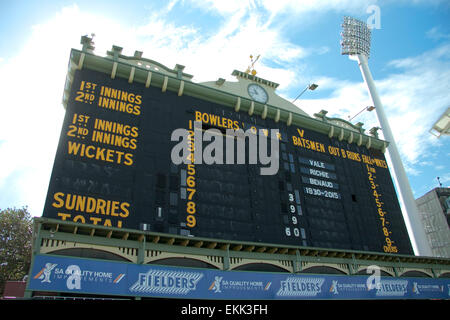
x: 113, y: 167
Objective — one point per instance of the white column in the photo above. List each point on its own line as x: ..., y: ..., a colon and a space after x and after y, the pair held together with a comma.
x: 412, y: 219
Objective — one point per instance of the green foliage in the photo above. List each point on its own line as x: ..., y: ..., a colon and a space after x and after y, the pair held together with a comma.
x: 16, y: 228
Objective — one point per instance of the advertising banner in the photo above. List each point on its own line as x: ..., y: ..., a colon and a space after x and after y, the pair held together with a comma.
x: 85, y: 276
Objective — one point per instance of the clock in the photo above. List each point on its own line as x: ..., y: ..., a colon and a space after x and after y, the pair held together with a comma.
x: 257, y: 93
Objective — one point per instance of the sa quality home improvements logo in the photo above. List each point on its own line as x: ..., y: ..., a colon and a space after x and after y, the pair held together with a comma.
x: 74, y: 275
x: 220, y: 284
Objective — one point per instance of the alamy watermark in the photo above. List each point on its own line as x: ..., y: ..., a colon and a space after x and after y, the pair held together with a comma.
x: 213, y: 152
x: 373, y: 281
x: 374, y: 20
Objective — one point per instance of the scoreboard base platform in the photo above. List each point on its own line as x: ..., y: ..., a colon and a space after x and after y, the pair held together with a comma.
x: 238, y: 269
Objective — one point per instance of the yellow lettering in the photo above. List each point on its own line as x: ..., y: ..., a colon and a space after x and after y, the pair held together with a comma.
x: 138, y: 99
x: 95, y: 220
x: 87, y: 153
x: 70, y: 205
x: 124, y: 206
x: 353, y: 156
x: 72, y: 130
x: 114, y: 207
x: 214, y: 119
x: 90, y: 205
x: 321, y: 147
x: 333, y: 151
x: 198, y: 116
x: 308, y: 144
x: 100, y: 155
x: 80, y: 203
x: 119, y: 156
x: 134, y: 131
x: 101, y: 204
x: 110, y: 155
x: 127, y: 97
x: 73, y: 147
x: 133, y: 144
x: 222, y: 122
x: 63, y: 216
x: 128, y: 159
x: 60, y: 202
x: 79, y: 218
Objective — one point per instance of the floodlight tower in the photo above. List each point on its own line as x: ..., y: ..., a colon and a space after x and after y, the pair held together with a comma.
x: 356, y: 43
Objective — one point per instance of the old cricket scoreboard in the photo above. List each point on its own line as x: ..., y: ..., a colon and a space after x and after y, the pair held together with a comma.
x: 113, y: 165
x: 124, y: 218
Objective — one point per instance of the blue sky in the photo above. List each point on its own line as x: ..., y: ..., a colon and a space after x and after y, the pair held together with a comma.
x: 298, y: 42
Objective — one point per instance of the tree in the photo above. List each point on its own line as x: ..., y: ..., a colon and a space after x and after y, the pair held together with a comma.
x: 16, y: 228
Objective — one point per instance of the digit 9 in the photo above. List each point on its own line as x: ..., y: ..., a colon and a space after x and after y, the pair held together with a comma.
x: 191, y: 221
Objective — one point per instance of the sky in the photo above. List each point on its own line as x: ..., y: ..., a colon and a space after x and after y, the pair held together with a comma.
x: 298, y: 43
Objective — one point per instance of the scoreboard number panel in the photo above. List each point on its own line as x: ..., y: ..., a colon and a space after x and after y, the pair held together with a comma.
x: 113, y: 168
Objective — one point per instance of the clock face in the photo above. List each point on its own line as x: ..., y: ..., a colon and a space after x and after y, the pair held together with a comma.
x: 257, y: 93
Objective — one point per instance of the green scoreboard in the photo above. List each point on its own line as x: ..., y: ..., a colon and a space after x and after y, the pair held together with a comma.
x: 113, y: 167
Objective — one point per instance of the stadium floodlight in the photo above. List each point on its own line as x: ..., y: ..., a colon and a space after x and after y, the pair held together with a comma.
x: 311, y: 87
x: 356, y: 37
x: 442, y: 125
x: 368, y: 108
x: 355, y: 42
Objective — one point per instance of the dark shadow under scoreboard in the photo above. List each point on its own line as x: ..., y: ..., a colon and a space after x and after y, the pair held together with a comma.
x: 113, y: 168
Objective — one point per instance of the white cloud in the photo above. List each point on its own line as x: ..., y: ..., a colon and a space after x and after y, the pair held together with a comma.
x: 413, y: 98
x: 209, y: 56
x: 31, y: 115
x: 435, y: 33
x: 229, y: 7
x: 283, y: 6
